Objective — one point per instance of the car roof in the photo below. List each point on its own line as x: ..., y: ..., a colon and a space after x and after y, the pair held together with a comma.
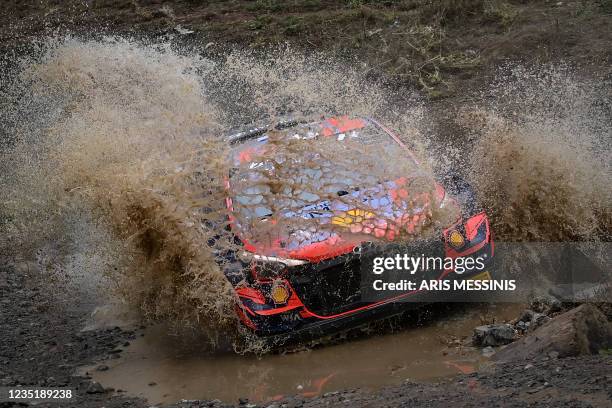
x: 257, y: 131
x: 331, y: 121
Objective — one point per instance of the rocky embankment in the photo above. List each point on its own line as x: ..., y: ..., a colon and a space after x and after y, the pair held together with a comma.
x: 548, y: 328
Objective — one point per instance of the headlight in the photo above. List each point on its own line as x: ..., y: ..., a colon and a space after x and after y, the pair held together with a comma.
x: 286, y: 261
x: 271, y: 266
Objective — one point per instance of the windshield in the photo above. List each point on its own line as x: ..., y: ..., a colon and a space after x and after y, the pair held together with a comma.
x: 308, y: 177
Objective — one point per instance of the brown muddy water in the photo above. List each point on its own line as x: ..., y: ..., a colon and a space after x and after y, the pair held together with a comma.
x: 155, y: 367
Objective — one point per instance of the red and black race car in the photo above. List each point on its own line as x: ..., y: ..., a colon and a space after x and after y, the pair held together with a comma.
x: 304, y: 218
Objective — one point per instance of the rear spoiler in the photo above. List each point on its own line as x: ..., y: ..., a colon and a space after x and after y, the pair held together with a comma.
x: 259, y: 131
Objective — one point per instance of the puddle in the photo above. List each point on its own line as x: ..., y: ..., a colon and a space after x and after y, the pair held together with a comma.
x: 418, y: 354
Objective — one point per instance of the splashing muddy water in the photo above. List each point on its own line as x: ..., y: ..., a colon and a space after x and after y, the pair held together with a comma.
x: 114, y: 162
x: 101, y: 170
x: 542, y: 154
x: 116, y: 155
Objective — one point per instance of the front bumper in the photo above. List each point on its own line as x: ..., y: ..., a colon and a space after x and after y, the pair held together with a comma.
x: 325, y: 297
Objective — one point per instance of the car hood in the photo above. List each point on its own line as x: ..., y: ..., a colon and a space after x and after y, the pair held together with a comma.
x: 328, y: 228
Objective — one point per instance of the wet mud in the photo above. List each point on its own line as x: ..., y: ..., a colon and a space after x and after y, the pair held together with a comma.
x: 164, y: 368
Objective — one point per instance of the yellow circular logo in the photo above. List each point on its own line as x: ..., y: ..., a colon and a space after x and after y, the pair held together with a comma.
x: 279, y: 293
x: 456, y: 239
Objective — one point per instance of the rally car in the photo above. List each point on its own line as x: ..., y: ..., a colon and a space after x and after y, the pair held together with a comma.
x: 306, y: 279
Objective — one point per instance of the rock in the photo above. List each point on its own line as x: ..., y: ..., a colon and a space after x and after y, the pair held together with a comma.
x: 293, y: 403
x: 545, y: 304
x: 538, y: 320
x: 583, y: 330
x: 183, y: 30
x: 493, y: 335
x: 94, y: 388
x: 535, y: 390
x: 531, y: 320
x: 102, y: 367
x: 488, y: 351
x: 526, y: 316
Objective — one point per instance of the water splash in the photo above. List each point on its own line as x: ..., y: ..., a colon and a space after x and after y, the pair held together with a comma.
x: 101, y: 170
x: 541, y: 158
x: 117, y: 163
x: 115, y: 160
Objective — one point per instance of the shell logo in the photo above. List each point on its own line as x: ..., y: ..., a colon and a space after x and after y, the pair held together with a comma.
x: 456, y: 239
x: 279, y: 293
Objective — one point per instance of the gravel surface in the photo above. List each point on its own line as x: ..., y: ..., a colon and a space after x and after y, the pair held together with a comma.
x: 42, y: 345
